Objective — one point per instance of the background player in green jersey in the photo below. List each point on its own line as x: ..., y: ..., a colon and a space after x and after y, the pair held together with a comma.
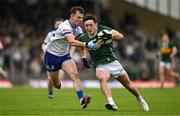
x: 105, y: 62
x: 166, y: 54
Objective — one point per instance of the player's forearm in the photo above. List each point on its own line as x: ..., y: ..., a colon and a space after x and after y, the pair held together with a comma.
x: 77, y: 43
x: 117, y: 35
x: 71, y: 39
x: 44, y: 47
x: 174, y: 52
x: 83, y: 52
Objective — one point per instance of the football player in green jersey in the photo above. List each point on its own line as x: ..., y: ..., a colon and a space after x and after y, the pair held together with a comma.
x: 105, y: 61
x: 166, y: 54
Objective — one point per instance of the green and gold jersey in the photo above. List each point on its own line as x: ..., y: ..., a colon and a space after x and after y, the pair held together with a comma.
x: 165, y: 51
x: 104, y: 54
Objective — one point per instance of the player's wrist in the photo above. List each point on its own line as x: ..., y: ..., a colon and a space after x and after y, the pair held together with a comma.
x: 85, y: 44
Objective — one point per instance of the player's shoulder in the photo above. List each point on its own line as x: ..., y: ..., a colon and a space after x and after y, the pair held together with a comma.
x: 103, y: 27
x: 51, y: 32
x: 65, y: 24
x: 84, y: 37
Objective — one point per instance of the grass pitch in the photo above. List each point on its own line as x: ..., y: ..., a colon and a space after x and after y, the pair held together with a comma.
x: 30, y: 101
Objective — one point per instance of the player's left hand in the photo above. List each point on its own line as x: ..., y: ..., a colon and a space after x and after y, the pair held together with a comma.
x: 92, y: 45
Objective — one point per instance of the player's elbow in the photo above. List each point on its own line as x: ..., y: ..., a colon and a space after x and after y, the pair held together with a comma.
x: 117, y: 35
x: 44, y: 48
x: 121, y: 36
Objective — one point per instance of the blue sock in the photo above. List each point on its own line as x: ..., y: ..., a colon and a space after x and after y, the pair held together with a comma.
x: 79, y: 94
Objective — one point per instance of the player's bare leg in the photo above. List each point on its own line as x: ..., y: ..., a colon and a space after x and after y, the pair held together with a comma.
x: 162, y: 76
x: 3, y: 72
x: 176, y: 75
x: 103, y: 76
x: 125, y: 81
x: 70, y: 68
x: 50, y: 86
x: 174, y: 72
x: 55, y: 79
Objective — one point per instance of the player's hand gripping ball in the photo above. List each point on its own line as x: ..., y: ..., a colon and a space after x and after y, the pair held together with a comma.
x: 104, y: 37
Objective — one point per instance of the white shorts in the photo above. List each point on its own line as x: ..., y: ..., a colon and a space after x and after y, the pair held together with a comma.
x: 167, y: 65
x: 114, y: 68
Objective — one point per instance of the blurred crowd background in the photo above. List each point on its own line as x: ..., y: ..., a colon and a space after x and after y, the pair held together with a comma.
x: 25, y: 23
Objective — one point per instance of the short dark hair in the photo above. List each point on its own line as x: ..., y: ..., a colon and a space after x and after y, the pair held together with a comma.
x: 90, y: 17
x: 75, y: 9
x: 58, y: 19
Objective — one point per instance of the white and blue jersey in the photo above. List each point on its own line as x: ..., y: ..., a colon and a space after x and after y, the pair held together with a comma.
x: 58, y: 47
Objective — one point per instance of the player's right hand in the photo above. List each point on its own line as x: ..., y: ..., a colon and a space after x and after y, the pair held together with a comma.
x: 85, y: 63
x: 92, y: 45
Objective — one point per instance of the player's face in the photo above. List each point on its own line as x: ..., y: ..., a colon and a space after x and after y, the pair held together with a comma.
x: 57, y: 23
x: 77, y: 18
x: 90, y: 27
x: 165, y: 38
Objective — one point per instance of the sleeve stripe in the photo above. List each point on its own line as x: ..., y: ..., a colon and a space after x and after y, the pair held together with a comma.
x: 81, y: 34
x: 66, y: 33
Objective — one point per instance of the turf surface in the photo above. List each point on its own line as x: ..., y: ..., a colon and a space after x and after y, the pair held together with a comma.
x: 30, y: 101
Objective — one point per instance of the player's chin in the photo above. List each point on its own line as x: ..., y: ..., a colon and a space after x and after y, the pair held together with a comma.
x: 90, y: 33
x: 78, y: 23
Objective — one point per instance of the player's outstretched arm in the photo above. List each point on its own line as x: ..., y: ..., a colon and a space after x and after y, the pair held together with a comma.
x: 91, y: 44
x: 44, y: 47
x: 116, y: 35
x: 71, y: 39
x: 174, y: 51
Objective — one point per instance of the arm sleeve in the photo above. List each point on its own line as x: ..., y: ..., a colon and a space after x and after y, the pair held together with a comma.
x: 64, y: 29
x: 47, y: 38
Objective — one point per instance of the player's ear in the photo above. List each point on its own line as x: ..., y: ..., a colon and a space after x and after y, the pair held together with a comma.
x: 71, y: 15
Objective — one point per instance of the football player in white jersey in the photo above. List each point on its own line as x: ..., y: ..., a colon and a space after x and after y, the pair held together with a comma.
x: 57, y: 55
x: 57, y: 22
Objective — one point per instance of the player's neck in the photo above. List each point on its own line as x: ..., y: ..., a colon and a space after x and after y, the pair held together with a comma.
x: 92, y: 35
x: 71, y: 23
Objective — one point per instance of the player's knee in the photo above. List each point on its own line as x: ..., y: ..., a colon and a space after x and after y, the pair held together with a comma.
x: 74, y: 75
